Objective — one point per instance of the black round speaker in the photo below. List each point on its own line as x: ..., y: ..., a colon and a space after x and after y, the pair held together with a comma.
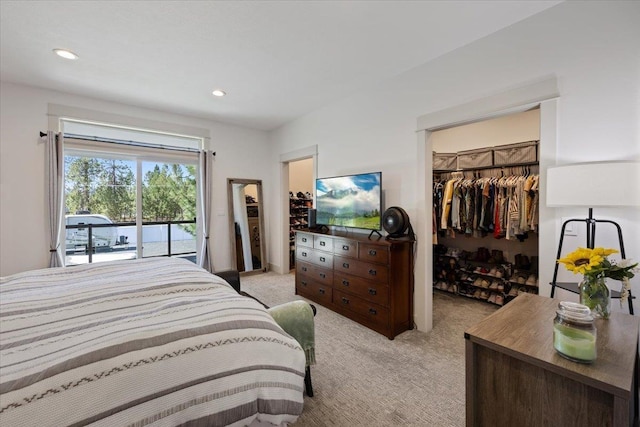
x: 395, y: 221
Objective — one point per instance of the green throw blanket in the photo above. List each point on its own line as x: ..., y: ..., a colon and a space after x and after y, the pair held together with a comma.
x: 296, y: 318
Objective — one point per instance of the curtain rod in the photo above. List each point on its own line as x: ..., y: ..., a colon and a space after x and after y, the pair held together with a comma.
x: 123, y: 142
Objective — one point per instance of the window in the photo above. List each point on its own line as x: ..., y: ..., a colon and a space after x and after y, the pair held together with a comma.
x: 128, y: 199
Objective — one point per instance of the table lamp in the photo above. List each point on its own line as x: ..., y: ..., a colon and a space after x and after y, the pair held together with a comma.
x: 594, y: 184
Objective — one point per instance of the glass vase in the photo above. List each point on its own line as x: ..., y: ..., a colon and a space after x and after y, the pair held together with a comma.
x: 595, y: 294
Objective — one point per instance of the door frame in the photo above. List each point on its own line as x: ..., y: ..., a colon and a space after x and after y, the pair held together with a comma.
x: 310, y: 152
x: 543, y: 94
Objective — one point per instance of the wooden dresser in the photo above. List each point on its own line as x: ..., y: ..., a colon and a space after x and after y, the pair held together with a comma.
x: 514, y: 376
x: 367, y: 280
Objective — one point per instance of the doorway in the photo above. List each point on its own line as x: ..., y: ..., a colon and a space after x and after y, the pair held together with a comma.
x: 287, y: 163
x: 301, y: 197
x: 488, y: 165
x: 542, y: 93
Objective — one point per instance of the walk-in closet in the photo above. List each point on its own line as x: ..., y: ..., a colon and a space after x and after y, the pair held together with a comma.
x: 485, y: 208
x: 301, y: 186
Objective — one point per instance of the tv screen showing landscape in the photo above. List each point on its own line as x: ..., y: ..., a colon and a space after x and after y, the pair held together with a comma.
x: 349, y: 201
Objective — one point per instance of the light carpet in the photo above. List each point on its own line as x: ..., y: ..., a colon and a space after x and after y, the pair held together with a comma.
x: 364, y: 379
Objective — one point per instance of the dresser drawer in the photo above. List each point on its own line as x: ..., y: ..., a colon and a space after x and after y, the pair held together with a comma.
x: 374, y: 272
x: 318, y: 274
x: 304, y: 239
x: 374, y: 253
x: 322, y: 259
x: 314, y: 290
x: 374, y: 313
x: 362, y: 288
x: 323, y: 243
x: 345, y: 247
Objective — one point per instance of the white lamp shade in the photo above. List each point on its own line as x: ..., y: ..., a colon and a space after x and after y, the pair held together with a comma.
x: 596, y: 184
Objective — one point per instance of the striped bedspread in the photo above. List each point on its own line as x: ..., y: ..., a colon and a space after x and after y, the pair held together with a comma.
x: 147, y: 342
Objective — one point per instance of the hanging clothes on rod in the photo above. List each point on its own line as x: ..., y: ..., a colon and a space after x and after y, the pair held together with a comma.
x: 498, y: 201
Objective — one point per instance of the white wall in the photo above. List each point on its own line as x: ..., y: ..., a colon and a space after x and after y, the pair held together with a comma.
x: 510, y: 129
x: 301, y: 176
x: 590, y: 47
x: 23, y: 212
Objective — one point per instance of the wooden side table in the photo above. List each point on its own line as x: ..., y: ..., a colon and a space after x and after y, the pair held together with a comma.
x: 514, y: 376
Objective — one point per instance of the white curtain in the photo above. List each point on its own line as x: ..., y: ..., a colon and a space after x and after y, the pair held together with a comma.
x: 55, y: 166
x: 205, y: 169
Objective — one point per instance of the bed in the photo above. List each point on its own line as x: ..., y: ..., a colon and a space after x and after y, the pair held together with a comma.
x: 156, y: 342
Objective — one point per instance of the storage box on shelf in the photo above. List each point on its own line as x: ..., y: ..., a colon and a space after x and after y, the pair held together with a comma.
x: 482, y: 275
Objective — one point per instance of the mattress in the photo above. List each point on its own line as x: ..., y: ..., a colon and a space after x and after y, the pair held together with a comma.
x: 157, y: 342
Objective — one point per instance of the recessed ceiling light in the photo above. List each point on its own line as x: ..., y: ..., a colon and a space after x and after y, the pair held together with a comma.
x: 67, y: 54
x: 219, y: 92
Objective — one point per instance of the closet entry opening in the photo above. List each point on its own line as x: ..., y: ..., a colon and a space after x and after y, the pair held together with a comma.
x: 301, y: 197
x: 485, y: 208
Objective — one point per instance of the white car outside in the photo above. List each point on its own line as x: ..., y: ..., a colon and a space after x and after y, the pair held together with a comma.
x: 102, y: 237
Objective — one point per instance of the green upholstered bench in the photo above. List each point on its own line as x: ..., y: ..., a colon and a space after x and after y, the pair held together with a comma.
x: 296, y: 318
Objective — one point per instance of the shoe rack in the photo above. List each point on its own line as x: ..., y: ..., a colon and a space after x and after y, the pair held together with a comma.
x: 484, y: 275
x: 299, y: 204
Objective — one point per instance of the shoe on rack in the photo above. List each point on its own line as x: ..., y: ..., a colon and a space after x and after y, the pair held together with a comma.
x: 483, y: 255
x: 534, y: 263
x: 497, y: 256
x: 477, y: 293
x: 485, y: 284
x: 514, y: 291
x: 493, y: 286
x: 492, y: 298
x: 484, y: 295
x: 522, y: 290
x: 521, y: 279
x: 499, y: 300
x: 532, y: 280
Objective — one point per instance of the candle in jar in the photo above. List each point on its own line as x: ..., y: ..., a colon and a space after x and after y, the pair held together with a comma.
x: 574, y: 343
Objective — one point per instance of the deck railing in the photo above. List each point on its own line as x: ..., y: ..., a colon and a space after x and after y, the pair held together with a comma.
x: 119, y: 241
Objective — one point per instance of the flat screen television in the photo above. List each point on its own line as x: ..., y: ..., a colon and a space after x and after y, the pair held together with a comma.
x: 350, y: 201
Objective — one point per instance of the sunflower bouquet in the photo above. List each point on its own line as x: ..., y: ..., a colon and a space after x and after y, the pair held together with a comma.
x: 594, y: 263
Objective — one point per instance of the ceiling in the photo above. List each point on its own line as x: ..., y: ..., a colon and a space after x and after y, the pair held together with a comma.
x: 277, y: 60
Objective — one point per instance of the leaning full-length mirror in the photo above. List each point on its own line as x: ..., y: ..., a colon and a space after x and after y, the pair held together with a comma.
x: 246, y: 224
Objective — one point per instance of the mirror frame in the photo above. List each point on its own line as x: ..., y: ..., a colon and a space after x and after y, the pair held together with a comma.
x: 232, y: 228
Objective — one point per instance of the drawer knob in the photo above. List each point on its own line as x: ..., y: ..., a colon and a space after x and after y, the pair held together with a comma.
x: 304, y: 239
x: 323, y: 275
x: 304, y: 254
x: 373, y: 311
x: 345, y: 300
x: 345, y: 247
x: 372, y: 252
x: 345, y: 282
x: 322, y: 243
x: 303, y: 283
x: 372, y: 291
x: 321, y: 291
x: 323, y: 259
x: 304, y: 268
x: 373, y: 272
x: 345, y: 264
